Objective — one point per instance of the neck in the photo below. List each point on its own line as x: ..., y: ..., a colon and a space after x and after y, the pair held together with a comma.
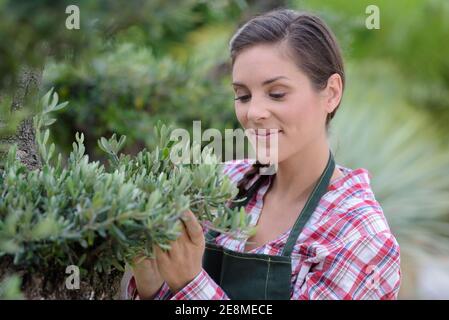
x: 297, y: 175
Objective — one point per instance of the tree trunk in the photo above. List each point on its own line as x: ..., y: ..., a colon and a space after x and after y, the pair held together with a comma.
x: 26, y: 94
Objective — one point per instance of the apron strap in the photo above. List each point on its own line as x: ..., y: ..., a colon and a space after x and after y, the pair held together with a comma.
x: 310, y: 206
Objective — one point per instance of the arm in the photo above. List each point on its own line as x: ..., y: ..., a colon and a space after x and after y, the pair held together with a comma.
x: 142, y: 280
x: 131, y: 293
x: 181, y: 267
x: 179, y: 270
x: 202, y: 287
x: 365, y: 268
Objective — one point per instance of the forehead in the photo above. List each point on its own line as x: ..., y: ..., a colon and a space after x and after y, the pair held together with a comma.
x: 263, y: 61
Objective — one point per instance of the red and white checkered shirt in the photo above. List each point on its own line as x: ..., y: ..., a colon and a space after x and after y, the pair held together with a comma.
x: 345, y: 251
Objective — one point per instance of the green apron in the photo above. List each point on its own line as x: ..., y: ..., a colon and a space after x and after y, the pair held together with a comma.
x: 248, y: 276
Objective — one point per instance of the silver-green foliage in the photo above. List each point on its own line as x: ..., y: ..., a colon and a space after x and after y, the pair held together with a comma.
x: 97, y: 216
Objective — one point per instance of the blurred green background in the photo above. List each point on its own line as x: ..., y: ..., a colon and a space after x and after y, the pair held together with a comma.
x: 133, y: 63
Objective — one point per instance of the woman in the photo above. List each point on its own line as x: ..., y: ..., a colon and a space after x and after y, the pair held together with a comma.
x: 321, y: 234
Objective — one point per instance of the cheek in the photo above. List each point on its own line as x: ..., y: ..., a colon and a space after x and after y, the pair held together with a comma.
x: 241, y: 115
x: 302, y: 111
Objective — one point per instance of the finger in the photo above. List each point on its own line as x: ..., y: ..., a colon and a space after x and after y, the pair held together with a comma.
x: 174, y: 248
x: 162, y: 259
x: 138, y: 259
x: 183, y: 235
x: 160, y: 254
x: 193, y: 227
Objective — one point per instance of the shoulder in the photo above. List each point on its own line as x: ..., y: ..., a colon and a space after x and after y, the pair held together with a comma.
x: 351, y: 236
x: 351, y: 210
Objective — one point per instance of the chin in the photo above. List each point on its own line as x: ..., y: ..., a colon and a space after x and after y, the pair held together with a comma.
x: 269, y: 158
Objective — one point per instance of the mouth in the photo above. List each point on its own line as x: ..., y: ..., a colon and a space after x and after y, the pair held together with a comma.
x: 264, y: 133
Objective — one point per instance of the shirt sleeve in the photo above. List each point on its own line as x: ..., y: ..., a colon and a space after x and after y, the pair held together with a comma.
x: 164, y: 292
x: 367, y: 268
x: 202, y: 287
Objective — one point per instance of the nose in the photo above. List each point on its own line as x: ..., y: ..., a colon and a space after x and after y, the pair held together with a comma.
x: 257, y: 111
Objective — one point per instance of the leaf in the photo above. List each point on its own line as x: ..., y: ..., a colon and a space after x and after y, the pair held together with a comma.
x: 9, y: 246
x: 60, y: 106
x: 165, y: 153
x: 104, y: 145
x: 82, y: 259
x: 115, y: 230
x: 46, y: 135
x: 50, y: 151
x: 83, y: 243
x: 54, y: 101
x: 117, y: 265
x: 45, y: 100
x: 121, y: 143
x: 45, y: 228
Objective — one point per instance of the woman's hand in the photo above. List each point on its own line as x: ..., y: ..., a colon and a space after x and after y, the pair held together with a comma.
x: 147, y: 277
x: 183, y: 262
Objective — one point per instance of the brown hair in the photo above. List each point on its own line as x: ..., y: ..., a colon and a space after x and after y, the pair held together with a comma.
x: 310, y: 41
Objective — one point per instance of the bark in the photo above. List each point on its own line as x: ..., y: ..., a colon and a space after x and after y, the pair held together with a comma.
x: 26, y: 94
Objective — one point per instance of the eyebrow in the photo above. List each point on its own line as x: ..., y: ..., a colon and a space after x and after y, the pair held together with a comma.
x: 263, y: 83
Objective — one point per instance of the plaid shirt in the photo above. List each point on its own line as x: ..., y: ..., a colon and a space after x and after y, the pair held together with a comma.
x: 345, y: 251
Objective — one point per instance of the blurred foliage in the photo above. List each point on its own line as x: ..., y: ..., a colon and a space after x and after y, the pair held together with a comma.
x: 413, y: 39
x: 32, y: 29
x: 127, y: 90
x: 125, y: 64
x: 126, y: 83
x: 10, y: 288
x: 377, y: 129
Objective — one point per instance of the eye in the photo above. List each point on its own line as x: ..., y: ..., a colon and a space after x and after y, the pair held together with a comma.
x: 244, y: 98
x: 277, y: 95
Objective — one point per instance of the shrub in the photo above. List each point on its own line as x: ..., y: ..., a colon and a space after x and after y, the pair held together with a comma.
x: 99, y: 217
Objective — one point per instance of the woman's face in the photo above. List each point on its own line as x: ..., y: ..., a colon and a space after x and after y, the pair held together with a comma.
x: 273, y: 93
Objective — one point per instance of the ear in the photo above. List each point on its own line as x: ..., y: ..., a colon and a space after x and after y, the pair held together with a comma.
x: 333, y: 92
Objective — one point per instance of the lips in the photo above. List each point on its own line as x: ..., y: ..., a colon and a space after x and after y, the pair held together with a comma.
x: 264, y: 133
x: 265, y: 143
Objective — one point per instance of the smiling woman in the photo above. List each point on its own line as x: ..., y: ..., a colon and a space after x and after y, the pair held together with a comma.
x: 321, y: 234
